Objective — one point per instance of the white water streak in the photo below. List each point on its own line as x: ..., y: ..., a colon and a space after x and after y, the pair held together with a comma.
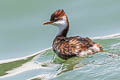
x: 42, y: 77
x: 15, y: 59
x: 108, y: 36
x: 27, y: 66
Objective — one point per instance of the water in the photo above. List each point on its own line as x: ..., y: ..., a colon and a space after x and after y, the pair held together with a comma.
x: 101, y: 66
x: 22, y: 34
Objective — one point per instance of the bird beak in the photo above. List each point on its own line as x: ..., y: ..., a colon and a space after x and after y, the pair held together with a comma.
x: 49, y: 22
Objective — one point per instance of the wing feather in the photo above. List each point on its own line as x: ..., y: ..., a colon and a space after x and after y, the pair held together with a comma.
x: 72, y: 45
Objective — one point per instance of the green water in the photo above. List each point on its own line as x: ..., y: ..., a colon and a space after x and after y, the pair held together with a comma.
x: 101, y: 66
x: 22, y: 34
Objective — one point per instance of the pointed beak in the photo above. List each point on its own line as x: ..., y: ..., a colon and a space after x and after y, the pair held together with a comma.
x: 49, y: 22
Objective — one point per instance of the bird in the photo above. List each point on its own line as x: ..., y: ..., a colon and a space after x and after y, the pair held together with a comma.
x: 67, y: 47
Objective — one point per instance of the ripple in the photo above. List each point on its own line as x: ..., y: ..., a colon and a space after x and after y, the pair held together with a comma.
x: 99, y: 66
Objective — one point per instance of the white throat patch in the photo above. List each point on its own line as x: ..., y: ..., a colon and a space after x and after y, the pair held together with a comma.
x: 61, y: 24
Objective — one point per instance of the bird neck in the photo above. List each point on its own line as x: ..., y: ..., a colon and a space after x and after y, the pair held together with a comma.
x: 63, y: 30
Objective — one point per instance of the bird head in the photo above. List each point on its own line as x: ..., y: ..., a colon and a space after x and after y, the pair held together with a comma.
x: 58, y: 18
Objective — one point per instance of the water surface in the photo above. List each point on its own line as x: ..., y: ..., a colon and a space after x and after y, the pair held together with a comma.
x: 22, y: 34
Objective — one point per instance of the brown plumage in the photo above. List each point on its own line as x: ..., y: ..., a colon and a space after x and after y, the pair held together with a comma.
x: 57, y: 14
x: 67, y: 47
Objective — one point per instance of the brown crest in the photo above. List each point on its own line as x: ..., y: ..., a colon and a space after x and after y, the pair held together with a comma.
x: 57, y: 14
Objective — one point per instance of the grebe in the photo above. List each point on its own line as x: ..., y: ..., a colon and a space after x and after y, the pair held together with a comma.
x: 67, y: 47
